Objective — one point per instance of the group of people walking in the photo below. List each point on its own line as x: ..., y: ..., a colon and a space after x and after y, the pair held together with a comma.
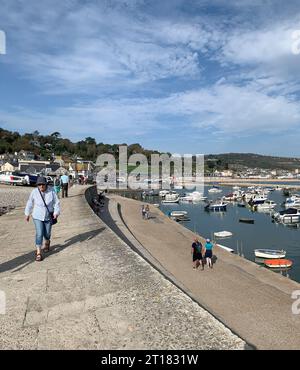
x: 61, y: 184
x: 200, y: 253
x: 145, y: 212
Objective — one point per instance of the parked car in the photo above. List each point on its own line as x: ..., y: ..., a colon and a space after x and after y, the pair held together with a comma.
x: 30, y: 179
x: 9, y: 178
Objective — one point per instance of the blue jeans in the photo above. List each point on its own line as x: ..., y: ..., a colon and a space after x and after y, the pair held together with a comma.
x: 42, y: 230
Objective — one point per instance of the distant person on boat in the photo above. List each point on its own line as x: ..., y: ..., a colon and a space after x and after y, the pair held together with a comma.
x: 197, y: 254
x: 208, y: 253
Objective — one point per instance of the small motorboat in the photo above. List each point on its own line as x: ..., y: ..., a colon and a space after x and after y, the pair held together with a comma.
x: 218, y: 205
x: 223, y: 234
x: 178, y: 213
x: 278, y: 263
x: 247, y: 220
x: 268, y: 204
x: 269, y: 253
x: 215, y: 189
x: 288, y: 216
x: 171, y: 198
x: 257, y: 199
x: 241, y: 204
x: 180, y: 218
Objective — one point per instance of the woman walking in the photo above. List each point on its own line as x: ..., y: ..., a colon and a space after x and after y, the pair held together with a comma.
x: 57, y: 184
x: 208, y: 253
x: 197, y: 254
x: 42, y: 203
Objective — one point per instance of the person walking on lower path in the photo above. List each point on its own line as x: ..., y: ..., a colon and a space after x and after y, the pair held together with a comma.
x: 197, y: 254
x: 208, y: 253
x: 143, y: 212
x: 65, y: 184
x: 147, y: 210
x: 42, y: 202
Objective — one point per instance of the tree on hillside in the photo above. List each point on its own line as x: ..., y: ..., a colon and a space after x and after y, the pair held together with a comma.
x: 56, y: 135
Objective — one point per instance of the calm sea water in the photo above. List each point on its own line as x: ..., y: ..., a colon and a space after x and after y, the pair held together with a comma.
x: 264, y: 233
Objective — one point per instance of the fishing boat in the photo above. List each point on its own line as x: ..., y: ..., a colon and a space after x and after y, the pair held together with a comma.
x: 268, y: 204
x: 278, y: 263
x: 171, y: 198
x: 230, y: 197
x: 269, y: 253
x: 293, y: 201
x: 215, y: 189
x: 288, y: 216
x: 163, y: 193
x: 218, y: 205
x: 178, y: 213
x: 257, y: 199
x: 223, y: 234
x: 247, y: 220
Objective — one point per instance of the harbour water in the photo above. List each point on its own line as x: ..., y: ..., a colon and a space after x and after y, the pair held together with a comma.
x: 263, y: 234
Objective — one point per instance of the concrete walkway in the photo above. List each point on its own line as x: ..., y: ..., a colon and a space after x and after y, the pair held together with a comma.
x: 93, y: 292
x: 254, y: 302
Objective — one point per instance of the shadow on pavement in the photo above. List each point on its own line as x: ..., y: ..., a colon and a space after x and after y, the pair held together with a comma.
x: 20, y: 262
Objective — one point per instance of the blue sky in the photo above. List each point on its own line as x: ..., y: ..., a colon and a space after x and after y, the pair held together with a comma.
x: 184, y: 76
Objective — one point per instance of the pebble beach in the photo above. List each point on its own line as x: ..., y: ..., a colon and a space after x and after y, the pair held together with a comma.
x: 12, y: 197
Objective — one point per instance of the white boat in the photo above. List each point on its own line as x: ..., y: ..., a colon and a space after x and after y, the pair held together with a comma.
x: 236, y: 188
x: 171, y: 198
x: 269, y: 253
x: 218, y: 205
x: 215, y: 190
x: 195, y: 196
x: 186, y: 198
x: 178, y: 213
x: 223, y: 234
x: 289, y: 216
x: 163, y: 193
x: 292, y: 202
x: 257, y: 199
x: 268, y: 204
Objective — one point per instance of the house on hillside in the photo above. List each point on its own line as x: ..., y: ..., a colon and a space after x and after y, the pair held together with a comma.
x: 33, y: 167
x: 81, y: 169
x: 10, y: 166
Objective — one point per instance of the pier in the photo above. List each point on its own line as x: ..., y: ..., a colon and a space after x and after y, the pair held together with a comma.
x: 254, y: 302
x: 93, y: 291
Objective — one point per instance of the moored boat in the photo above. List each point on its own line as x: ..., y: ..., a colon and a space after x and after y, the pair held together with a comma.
x: 171, y: 198
x: 222, y: 234
x: 215, y: 189
x: 178, y: 213
x: 218, y: 205
x: 268, y: 204
x: 247, y: 220
x: 269, y: 253
x: 288, y: 216
x: 278, y: 263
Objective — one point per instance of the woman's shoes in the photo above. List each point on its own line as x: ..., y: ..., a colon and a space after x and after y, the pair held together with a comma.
x: 38, y: 257
x: 46, y: 248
